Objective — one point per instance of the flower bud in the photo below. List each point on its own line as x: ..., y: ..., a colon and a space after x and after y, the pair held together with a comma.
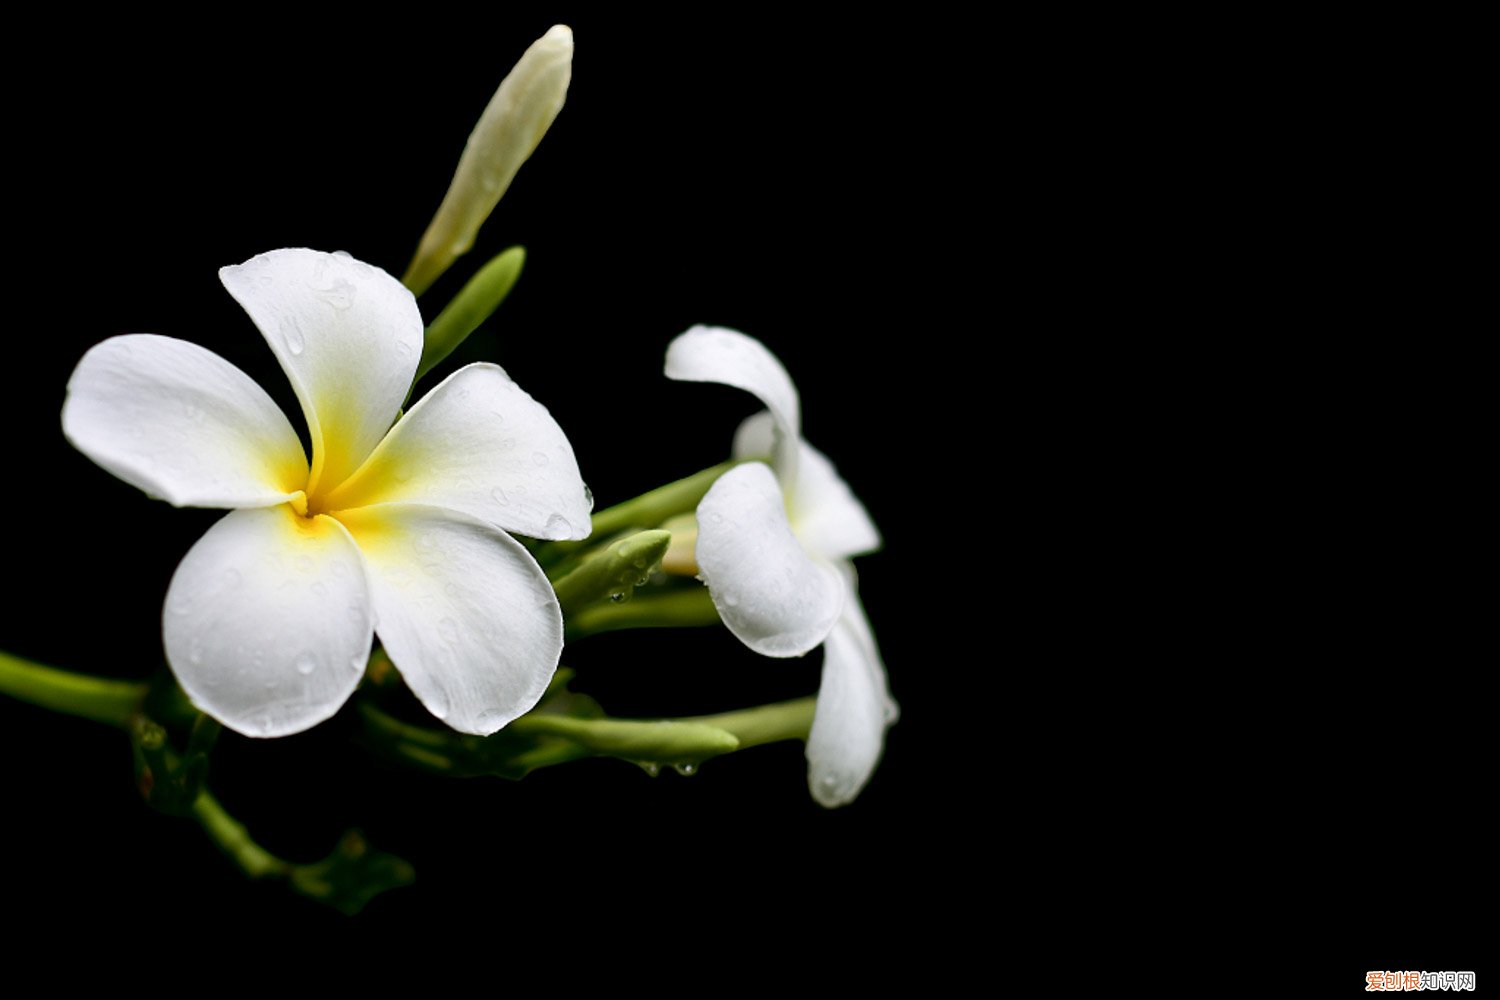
x: 508, y: 131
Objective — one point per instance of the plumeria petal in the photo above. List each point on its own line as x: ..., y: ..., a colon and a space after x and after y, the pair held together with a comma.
x: 771, y: 593
x: 268, y: 621
x: 477, y: 443
x: 728, y: 357
x: 825, y: 514
x: 181, y: 423
x: 464, y: 611
x: 348, y: 336
x: 854, y: 709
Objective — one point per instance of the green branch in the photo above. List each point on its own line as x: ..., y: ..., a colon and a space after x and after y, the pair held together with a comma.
x: 100, y: 699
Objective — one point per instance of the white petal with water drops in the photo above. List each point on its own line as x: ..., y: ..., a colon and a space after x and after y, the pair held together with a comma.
x: 478, y: 443
x: 264, y: 619
x: 182, y: 424
x: 348, y: 336
x: 854, y: 709
x: 728, y: 357
x: 465, y: 613
x: 771, y: 593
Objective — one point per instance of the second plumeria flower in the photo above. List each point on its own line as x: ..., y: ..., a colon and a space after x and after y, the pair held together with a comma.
x: 396, y: 530
x: 773, y: 546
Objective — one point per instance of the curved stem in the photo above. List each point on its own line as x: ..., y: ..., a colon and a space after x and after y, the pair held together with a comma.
x: 234, y: 840
x: 101, y: 699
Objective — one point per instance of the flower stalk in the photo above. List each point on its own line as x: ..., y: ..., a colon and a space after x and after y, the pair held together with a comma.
x: 100, y: 699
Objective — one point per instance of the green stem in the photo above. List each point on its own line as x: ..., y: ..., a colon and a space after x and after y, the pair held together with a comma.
x: 234, y: 840
x: 688, y: 607
x: 645, y: 511
x: 100, y: 699
x: 787, y: 720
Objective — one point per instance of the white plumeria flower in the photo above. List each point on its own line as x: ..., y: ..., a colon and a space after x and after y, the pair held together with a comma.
x: 774, y: 549
x: 399, y: 530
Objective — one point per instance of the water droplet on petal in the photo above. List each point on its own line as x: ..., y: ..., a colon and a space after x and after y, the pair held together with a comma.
x: 340, y: 295
x: 507, y: 444
x: 731, y: 601
x: 686, y: 770
x: 499, y: 496
x: 437, y: 703
x: 619, y: 597
x: 650, y: 767
x: 539, y: 457
x: 557, y: 526
x: 343, y: 253
x: 358, y: 663
x: 306, y: 662
x: 292, y: 334
x: 403, y: 348
x: 588, y: 497
x: 641, y: 581
x: 716, y: 517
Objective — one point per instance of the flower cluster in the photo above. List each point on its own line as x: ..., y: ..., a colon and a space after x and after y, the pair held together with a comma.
x: 399, y: 523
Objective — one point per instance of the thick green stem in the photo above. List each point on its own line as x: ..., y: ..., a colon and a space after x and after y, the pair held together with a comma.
x: 787, y: 720
x: 650, y: 509
x: 100, y: 699
x: 234, y: 840
x: 645, y: 511
x: 682, y: 608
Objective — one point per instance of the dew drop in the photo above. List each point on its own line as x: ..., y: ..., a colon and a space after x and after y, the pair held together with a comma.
x: 306, y: 663
x: 292, y: 333
x: 731, y: 601
x: 650, y: 767
x: 499, y: 497
x: 358, y: 663
x: 340, y: 295
x: 343, y: 253
x: 588, y: 498
x: 716, y: 517
x: 557, y: 527
x: 507, y: 444
x: 539, y: 457
x: 641, y: 581
x: 403, y: 348
x: 437, y: 703
x: 195, y: 655
x: 619, y: 597
x: 686, y: 770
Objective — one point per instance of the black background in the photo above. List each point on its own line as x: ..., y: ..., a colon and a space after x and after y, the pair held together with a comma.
x: 1155, y: 400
